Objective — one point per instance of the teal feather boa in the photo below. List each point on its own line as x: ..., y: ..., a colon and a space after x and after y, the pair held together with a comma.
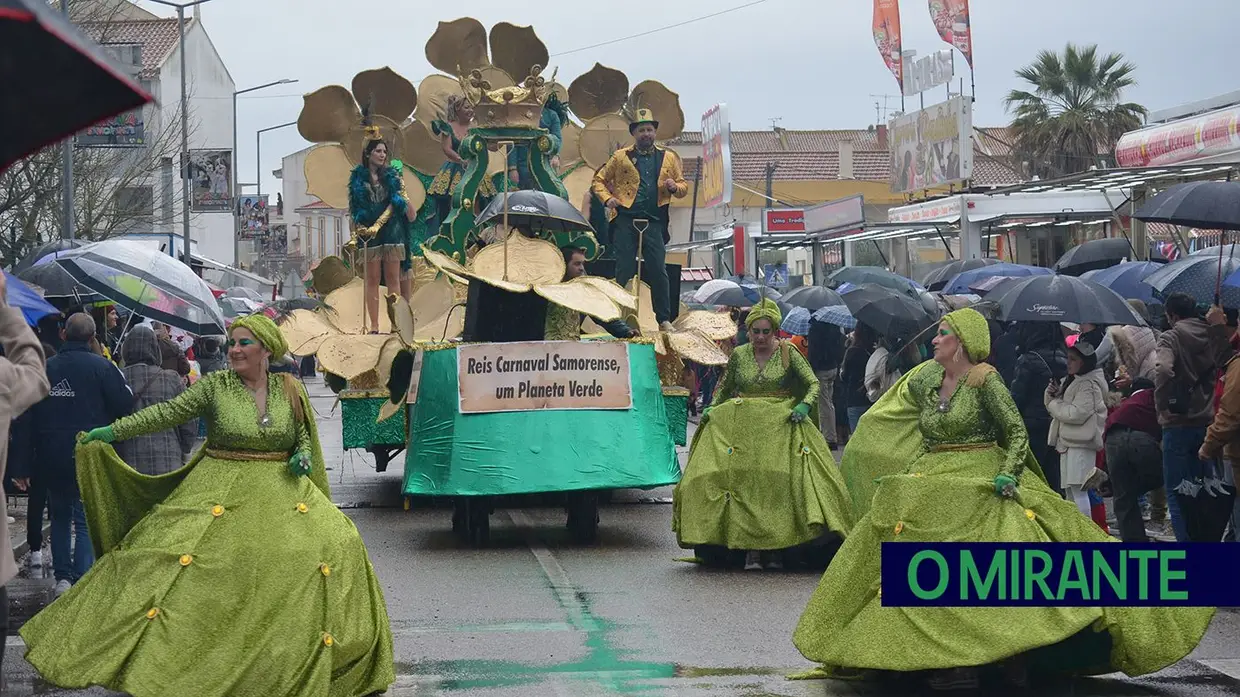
x: 362, y: 210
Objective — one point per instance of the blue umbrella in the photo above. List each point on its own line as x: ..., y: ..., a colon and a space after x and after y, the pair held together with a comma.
x: 796, y: 322
x: 1198, y: 277
x: 32, y: 305
x: 1127, y: 279
x: 966, y: 279
x: 837, y: 315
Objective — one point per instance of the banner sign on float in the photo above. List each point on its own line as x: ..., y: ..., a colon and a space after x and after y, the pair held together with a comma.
x: 932, y: 147
x: 716, y: 180
x: 1059, y: 574
x: 532, y: 375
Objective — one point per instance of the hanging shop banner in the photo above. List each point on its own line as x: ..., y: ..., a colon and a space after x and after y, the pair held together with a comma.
x: 932, y: 147
x: 887, y: 37
x: 211, y: 173
x: 252, y: 212
x: 716, y: 179
x: 951, y: 18
x: 785, y: 220
x: 533, y: 375
x: 1181, y: 141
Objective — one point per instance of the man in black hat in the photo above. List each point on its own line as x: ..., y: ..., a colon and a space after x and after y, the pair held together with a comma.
x: 638, y: 183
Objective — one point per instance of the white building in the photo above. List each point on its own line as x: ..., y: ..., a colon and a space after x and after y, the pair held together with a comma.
x: 315, y: 229
x: 209, y: 88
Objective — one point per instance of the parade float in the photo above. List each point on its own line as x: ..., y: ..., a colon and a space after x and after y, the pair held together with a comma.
x: 486, y: 407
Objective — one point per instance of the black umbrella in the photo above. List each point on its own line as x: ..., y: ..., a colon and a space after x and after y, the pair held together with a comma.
x: 877, y: 275
x: 812, y: 297
x: 1062, y: 299
x: 56, y: 81
x: 59, y: 287
x: 936, y: 279
x: 891, y: 313
x: 535, y: 210
x: 44, y: 250
x: 1094, y: 254
x: 742, y: 296
x: 1208, y: 205
x: 1227, y: 250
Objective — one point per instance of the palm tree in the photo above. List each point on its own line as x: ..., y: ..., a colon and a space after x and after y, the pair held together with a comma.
x: 1072, y: 115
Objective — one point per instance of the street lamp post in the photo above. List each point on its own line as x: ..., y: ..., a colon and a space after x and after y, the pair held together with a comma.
x: 236, y: 185
x: 185, y: 182
x: 258, y: 157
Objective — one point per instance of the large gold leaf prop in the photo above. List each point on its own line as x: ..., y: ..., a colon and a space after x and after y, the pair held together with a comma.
x: 329, y: 274
x: 577, y: 183
x: 401, y: 315
x: 515, y: 49
x: 528, y: 262
x: 600, y: 91
x: 646, y: 322
x: 346, y: 311
x: 613, y: 290
x: 327, y: 171
x: 716, y: 326
x: 327, y: 114
x: 445, y: 327
x: 432, y: 301
x: 581, y: 297
x: 570, y: 147
x: 696, y: 347
x: 385, y: 92
x: 433, y: 94
x: 304, y: 331
x: 387, y: 354
x: 601, y: 137
x: 423, y: 150
x: 663, y: 103
x: 351, y: 355
x: 458, y: 46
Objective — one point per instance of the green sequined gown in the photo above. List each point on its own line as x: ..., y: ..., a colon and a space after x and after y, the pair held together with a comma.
x: 755, y: 480
x: 945, y: 493
x: 228, y: 577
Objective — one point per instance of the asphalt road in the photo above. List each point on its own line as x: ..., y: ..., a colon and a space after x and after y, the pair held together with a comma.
x: 534, y: 614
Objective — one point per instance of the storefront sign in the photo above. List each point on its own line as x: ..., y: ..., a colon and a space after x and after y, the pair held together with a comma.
x: 833, y: 215
x: 211, y: 172
x: 927, y: 72
x: 932, y: 147
x: 527, y: 376
x: 1182, y: 141
x: 785, y: 220
x: 944, y: 210
x: 716, y: 175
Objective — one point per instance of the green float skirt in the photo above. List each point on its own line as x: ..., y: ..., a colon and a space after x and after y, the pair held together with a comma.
x: 948, y: 496
x: 757, y: 481
x: 230, y: 578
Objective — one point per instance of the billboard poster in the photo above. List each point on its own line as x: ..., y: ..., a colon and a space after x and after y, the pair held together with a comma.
x: 887, y: 37
x: 125, y: 130
x: 932, y: 147
x: 252, y: 212
x: 951, y: 18
x: 211, y: 174
x: 716, y: 180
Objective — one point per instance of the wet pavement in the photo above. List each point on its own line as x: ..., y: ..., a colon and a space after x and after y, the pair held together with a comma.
x: 535, y: 614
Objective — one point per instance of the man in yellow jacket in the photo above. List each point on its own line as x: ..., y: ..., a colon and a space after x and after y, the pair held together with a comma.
x: 638, y: 183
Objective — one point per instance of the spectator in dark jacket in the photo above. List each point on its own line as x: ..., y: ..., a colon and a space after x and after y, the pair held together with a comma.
x: 1042, y: 355
x: 210, y: 355
x: 165, y: 451
x: 88, y: 391
x: 1005, y: 351
x: 826, y: 354
x: 1134, y: 457
x: 852, y: 373
x: 33, y: 479
x: 174, y: 358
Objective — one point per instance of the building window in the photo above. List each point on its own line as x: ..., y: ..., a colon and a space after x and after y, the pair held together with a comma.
x: 135, y: 202
x: 339, y: 232
x: 323, y: 237
x: 309, y: 238
x: 167, y: 188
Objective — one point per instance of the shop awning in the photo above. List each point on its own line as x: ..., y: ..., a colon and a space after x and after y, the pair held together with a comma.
x: 1125, y: 178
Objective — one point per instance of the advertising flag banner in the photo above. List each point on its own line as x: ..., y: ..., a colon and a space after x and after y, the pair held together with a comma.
x: 887, y: 37
x: 932, y: 147
x: 951, y: 18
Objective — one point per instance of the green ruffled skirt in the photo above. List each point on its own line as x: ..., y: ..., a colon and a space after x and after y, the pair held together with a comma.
x: 231, y: 578
x: 948, y: 496
x: 757, y: 481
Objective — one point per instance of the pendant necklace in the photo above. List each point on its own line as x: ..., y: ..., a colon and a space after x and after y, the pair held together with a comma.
x: 264, y: 420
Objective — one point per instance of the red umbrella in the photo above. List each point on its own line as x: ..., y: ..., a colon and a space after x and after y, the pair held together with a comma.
x: 56, y: 81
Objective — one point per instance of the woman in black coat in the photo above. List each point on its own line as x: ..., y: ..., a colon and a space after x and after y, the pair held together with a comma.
x: 1042, y: 355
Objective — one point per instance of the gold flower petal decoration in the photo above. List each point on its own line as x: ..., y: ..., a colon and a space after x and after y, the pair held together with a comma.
x: 351, y: 355
x: 459, y: 45
x: 570, y: 150
x: 327, y: 114
x: 386, y: 93
x: 645, y: 319
x: 423, y: 150
x: 346, y: 311
x: 304, y: 331
x: 515, y: 49
x: 525, y: 263
x: 582, y: 297
x: 599, y: 91
x: 716, y: 326
x: 696, y: 347
x: 433, y: 93
x: 327, y: 172
x: 618, y: 295
x: 577, y: 184
x: 329, y: 274
x: 664, y: 103
x: 601, y: 137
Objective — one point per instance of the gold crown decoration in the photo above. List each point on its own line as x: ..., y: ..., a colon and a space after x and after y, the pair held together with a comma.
x: 372, y: 133
x: 516, y: 106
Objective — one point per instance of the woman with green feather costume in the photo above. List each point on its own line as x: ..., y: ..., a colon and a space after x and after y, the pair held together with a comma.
x: 234, y: 575
x: 380, y: 212
x: 944, y: 457
x: 760, y: 477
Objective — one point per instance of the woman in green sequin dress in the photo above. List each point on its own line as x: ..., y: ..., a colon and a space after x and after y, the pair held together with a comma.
x: 951, y: 457
x: 451, y: 130
x: 760, y: 476
x: 233, y: 576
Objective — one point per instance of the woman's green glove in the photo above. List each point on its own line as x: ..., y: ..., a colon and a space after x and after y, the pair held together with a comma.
x: 1005, y: 485
x: 103, y: 434
x: 299, y: 465
x: 799, y: 412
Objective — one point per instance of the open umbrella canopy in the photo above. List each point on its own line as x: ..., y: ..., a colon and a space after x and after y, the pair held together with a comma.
x: 711, y: 287
x: 890, y: 312
x: 1198, y: 277
x: 24, y: 298
x: 857, y: 275
x: 1127, y: 279
x: 962, y: 282
x: 839, y: 315
x: 796, y: 322
x: 44, y: 250
x: 741, y: 296
x: 59, y: 287
x: 1230, y: 249
x: 1209, y: 205
x: 812, y: 297
x: 1094, y: 254
x: 936, y: 279
x: 241, y: 292
x: 56, y: 81
x: 148, y: 282
x: 1061, y: 298
x: 536, y: 211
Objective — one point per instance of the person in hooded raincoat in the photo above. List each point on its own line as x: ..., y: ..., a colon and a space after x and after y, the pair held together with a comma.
x: 163, y: 451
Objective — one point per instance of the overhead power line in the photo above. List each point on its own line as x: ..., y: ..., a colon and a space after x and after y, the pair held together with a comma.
x: 660, y: 29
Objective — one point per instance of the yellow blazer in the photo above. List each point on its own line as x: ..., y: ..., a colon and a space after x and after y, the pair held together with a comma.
x: 619, y: 179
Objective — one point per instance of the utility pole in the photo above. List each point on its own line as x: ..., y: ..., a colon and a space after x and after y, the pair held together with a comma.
x: 770, y: 199
x: 67, y: 165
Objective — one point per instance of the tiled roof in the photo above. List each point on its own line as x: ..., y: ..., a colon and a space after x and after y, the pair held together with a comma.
x: 316, y: 206
x: 158, y: 38
x: 792, y: 141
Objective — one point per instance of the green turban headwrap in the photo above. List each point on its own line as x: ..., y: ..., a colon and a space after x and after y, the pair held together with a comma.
x: 266, y: 331
x: 970, y: 327
x: 765, y: 309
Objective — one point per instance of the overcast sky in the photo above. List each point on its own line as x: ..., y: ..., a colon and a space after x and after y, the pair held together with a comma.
x: 810, y: 63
